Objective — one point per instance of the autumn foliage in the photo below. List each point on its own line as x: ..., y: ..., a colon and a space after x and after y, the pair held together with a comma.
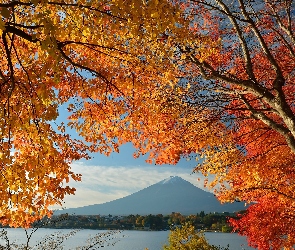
x: 208, y: 79
x: 95, y: 57
x: 109, y: 63
x: 250, y: 85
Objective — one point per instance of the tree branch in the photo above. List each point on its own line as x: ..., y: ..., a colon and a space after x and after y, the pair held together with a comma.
x: 279, y: 81
x: 63, y: 4
x: 246, y: 53
x: 14, y: 3
x: 272, y: 124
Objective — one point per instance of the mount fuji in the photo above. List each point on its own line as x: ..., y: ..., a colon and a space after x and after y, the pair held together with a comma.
x: 173, y: 194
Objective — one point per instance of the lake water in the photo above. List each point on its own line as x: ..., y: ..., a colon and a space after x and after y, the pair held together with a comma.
x: 126, y: 240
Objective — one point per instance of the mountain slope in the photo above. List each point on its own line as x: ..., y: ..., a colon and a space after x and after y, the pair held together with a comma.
x: 170, y: 195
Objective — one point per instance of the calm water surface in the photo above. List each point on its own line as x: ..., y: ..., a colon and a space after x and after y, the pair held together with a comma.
x: 126, y: 240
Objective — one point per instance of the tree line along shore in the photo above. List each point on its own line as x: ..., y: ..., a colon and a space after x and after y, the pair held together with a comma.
x: 201, y: 221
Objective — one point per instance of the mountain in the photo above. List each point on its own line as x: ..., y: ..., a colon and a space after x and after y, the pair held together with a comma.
x: 173, y: 194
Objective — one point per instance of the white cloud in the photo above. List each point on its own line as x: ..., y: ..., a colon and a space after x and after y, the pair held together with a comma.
x: 102, y: 184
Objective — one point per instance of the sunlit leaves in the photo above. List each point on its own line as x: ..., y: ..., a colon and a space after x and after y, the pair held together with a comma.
x: 101, y: 57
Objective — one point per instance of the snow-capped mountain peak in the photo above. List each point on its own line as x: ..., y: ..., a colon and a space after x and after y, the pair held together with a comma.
x: 171, y: 179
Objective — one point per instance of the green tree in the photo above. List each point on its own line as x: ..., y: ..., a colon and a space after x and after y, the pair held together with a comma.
x: 187, y: 238
x: 177, y: 218
x: 202, y: 214
x: 140, y: 221
x: 226, y: 229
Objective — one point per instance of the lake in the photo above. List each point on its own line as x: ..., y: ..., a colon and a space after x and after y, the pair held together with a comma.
x: 126, y: 240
